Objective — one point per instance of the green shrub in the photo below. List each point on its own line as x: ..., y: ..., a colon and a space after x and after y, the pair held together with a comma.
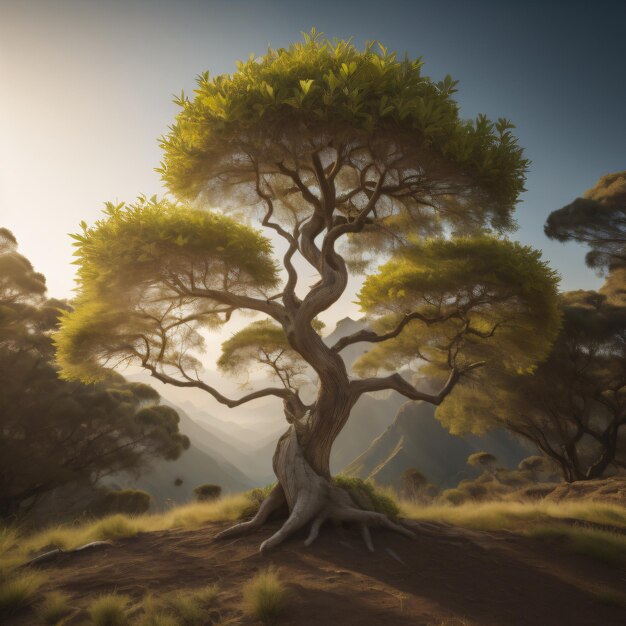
x: 255, y: 498
x: 265, y: 596
x: 208, y: 492
x: 367, y: 495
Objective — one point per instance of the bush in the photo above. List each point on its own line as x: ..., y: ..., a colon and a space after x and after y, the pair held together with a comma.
x: 367, y: 495
x: 454, y: 496
x: 128, y: 501
x: 208, y: 492
x: 255, y: 497
x: 265, y: 596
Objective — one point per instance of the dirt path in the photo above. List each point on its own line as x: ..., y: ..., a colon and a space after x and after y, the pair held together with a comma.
x: 451, y: 577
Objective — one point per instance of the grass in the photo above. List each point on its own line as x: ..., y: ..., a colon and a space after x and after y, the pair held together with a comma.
x: 265, y: 596
x: 18, y: 591
x: 110, y: 609
x: 603, y: 546
x: 368, y: 495
x: 53, y: 607
x: 180, y: 608
x: 517, y: 516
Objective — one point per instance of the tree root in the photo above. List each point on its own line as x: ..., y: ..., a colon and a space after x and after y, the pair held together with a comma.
x: 57, y: 552
x: 312, y: 499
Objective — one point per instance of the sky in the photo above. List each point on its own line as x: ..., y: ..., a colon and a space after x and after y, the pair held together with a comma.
x: 86, y: 89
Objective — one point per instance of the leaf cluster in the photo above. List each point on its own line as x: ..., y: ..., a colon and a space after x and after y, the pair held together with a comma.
x: 331, y: 92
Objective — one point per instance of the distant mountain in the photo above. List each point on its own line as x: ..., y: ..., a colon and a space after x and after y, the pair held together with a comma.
x: 417, y: 439
x: 206, y: 461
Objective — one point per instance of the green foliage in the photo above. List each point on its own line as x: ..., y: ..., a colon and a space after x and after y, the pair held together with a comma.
x: 367, y: 495
x: 75, y: 432
x: 483, y: 298
x: 265, y: 596
x: 254, y: 499
x: 597, y: 220
x: 110, y: 609
x: 570, y: 406
x: 208, y: 492
x: 333, y: 91
x: 131, y: 266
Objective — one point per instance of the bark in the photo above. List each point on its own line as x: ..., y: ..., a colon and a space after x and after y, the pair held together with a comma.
x: 312, y: 500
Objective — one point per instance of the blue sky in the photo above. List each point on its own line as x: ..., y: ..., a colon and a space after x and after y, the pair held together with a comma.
x: 86, y: 89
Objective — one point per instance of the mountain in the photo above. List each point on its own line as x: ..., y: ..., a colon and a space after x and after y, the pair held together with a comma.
x: 417, y: 439
x: 206, y: 461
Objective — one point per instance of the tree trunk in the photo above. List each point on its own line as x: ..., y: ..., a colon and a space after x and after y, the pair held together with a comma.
x: 310, y: 495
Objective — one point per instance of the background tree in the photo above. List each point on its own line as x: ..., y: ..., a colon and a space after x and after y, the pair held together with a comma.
x: 345, y: 158
x: 208, y: 492
x: 55, y: 433
x: 573, y: 406
x: 598, y: 219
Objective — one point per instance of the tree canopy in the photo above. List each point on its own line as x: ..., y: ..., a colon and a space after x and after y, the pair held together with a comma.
x: 56, y: 433
x: 598, y: 219
x: 348, y: 159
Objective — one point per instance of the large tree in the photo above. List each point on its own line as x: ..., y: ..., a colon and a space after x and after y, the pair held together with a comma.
x: 54, y: 433
x: 573, y: 405
x: 346, y: 158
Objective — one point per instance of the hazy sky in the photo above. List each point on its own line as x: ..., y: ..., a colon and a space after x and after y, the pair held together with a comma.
x: 86, y: 89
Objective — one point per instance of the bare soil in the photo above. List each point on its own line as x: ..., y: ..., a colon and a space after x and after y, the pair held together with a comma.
x: 445, y: 577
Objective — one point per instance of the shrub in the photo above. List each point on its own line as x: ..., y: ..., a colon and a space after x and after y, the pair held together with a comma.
x: 128, y: 501
x: 110, y: 610
x: 208, y: 492
x: 367, y: 495
x: 454, y: 496
x: 265, y: 596
x: 255, y: 498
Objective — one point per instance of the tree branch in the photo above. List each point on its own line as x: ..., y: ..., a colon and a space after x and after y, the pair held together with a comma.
x: 397, y: 383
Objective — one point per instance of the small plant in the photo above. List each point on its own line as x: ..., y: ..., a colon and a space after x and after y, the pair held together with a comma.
x: 265, y: 596
x: 367, y: 495
x: 53, y: 607
x: 17, y: 592
x: 206, y: 493
x: 110, y: 609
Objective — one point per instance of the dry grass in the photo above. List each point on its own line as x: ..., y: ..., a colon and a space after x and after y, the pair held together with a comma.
x: 18, y: 591
x: 15, y: 550
x: 517, y: 516
x: 600, y: 545
x: 265, y: 596
x: 53, y: 607
x: 110, y: 609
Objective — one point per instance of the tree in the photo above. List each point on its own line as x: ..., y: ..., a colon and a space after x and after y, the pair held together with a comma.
x: 205, y: 493
x: 573, y: 405
x: 55, y: 433
x: 598, y: 219
x: 346, y: 158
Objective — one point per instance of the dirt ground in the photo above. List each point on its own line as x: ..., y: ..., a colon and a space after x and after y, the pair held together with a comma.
x: 446, y: 577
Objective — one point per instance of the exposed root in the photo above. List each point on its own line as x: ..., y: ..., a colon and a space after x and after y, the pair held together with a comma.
x: 312, y: 499
x: 273, y: 502
x: 58, y: 552
x: 367, y: 537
